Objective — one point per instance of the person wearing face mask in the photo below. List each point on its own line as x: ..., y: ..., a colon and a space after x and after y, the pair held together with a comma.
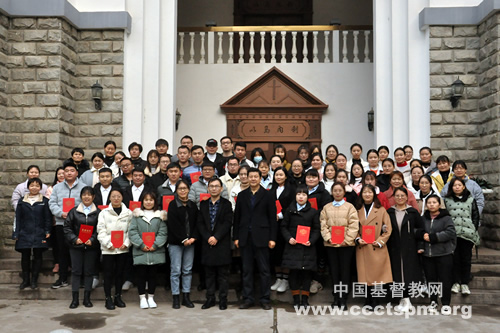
x: 257, y: 155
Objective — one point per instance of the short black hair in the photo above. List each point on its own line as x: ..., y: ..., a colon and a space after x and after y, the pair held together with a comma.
x: 98, y: 154
x: 135, y: 144
x: 87, y: 189
x: 103, y: 170
x: 356, y: 145
x: 384, y: 148
x: 240, y: 144
x: 196, y: 147
x: 442, y: 158
x: 312, y: 172
x: 459, y: 163
x: 226, y: 137
x: 254, y: 170
x: 425, y: 148
x: 215, y: 179
x: 35, y: 180
x: 69, y: 164
x: 33, y: 166
x: 187, y: 137
x: 110, y: 142
x: 141, y: 170
x: 233, y: 158
x: 209, y: 164
x: 172, y: 165
x: 77, y: 150
x: 183, y: 147
x: 160, y: 142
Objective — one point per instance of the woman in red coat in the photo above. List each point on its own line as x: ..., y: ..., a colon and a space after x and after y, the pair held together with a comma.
x: 397, y: 180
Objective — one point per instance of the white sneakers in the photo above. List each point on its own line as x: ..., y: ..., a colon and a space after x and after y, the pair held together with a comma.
x: 151, y: 302
x: 281, y: 285
x: 455, y: 288
x: 315, y: 287
x: 127, y: 285
x: 404, y: 305
x: 144, y: 302
x: 446, y: 310
x: 276, y: 284
x: 433, y: 308
x: 465, y: 289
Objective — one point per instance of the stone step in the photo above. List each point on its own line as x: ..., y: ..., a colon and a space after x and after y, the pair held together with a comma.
x: 485, y: 270
x: 486, y: 256
x: 44, y: 292
x: 485, y: 282
x: 15, y: 264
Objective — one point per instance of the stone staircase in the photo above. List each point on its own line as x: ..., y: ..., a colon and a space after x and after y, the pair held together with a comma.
x: 485, y: 285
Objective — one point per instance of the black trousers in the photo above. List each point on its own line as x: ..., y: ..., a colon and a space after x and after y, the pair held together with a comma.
x: 339, y: 260
x: 63, y: 253
x: 462, y: 258
x: 53, y: 244
x: 26, y: 258
x: 84, y: 263
x: 249, y: 253
x: 439, y: 269
x: 113, y: 265
x: 143, y: 274
x: 221, y: 274
x: 300, y: 279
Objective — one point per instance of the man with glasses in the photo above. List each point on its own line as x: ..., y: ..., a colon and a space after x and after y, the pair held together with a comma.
x: 214, y: 225
x: 125, y: 180
x: 201, y: 186
x: 231, y: 177
x: 161, y: 176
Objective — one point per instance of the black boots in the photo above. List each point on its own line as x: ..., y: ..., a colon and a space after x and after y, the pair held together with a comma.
x: 37, y: 265
x: 223, y: 303
x: 86, y: 299
x: 296, y: 300
x: 176, y: 303
x: 305, y: 301
x: 74, y: 303
x: 26, y: 280
x: 109, y: 303
x: 119, y: 302
x: 209, y: 303
x: 186, y: 301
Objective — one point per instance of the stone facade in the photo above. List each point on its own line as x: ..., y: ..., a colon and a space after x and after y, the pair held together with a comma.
x: 471, y: 131
x: 46, y: 70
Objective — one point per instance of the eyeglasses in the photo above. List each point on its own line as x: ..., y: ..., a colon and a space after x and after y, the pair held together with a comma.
x: 214, y: 186
x: 182, y: 189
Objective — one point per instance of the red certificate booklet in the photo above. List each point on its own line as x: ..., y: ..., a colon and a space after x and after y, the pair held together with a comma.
x: 195, y: 176
x: 133, y: 205
x: 302, y: 236
x: 278, y: 207
x: 85, y: 232
x: 117, y: 238
x: 314, y: 203
x: 166, y: 201
x: 338, y: 234
x: 148, y: 238
x: 68, y: 204
x: 204, y: 196
x: 101, y: 207
x: 368, y: 233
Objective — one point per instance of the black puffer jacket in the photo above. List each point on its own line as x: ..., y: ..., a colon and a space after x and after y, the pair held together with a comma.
x: 33, y: 223
x: 299, y: 256
x: 321, y: 195
x: 76, y: 217
x: 442, y: 235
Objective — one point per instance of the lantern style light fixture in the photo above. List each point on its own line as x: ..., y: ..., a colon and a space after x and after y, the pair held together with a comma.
x: 177, y: 119
x: 97, y: 95
x: 371, y: 119
x: 457, y: 90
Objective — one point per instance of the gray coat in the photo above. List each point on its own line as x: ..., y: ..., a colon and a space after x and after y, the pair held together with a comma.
x: 200, y: 187
x: 442, y: 236
x: 61, y: 191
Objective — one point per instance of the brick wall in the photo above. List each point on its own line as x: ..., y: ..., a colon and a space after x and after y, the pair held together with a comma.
x: 470, y: 131
x: 47, y: 68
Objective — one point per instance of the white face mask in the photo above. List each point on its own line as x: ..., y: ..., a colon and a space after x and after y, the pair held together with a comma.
x: 257, y: 159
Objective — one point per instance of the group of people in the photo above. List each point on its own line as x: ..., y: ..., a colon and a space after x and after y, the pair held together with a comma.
x: 403, y: 220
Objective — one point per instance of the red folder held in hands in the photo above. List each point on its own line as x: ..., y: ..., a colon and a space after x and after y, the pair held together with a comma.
x: 204, y: 196
x: 338, y: 234
x: 148, y: 238
x: 302, y: 236
x: 68, y: 204
x: 368, y: 233
x: 166, y: 201
x: 195, y: 176
x: 314, y: 203
x: 85, y: 232
x: 134, y: 204
x: 278, y: 207
x: 117, y: 238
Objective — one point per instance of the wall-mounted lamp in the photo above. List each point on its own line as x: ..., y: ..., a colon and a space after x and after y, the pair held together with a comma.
x: 371, y: 119
x: 177, y: 119
x: 97, y: 95
x: 457, y: 90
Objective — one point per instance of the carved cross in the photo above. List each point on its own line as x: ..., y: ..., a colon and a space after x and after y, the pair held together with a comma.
x: 274, y: 86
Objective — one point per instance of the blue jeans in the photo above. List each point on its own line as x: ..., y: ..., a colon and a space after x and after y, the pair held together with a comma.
x: 181, y: 258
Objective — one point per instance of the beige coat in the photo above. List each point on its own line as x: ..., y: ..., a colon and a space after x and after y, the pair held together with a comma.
x: 373, y: 262
x: 345, y: 215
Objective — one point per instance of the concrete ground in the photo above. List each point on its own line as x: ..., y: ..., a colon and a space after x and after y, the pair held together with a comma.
x: 48, y: 316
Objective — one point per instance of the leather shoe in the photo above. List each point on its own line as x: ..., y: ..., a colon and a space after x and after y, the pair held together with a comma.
x: 266, y: 306
x: 176, y: 303
x: 246, y: 305
x: 208, y: 304
x: 223, y: 304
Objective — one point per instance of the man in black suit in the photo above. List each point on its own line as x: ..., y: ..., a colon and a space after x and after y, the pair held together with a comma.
x: 104, y: 187
x: 214, y: 224
x: 255, y: 230
x: 139, y: 187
